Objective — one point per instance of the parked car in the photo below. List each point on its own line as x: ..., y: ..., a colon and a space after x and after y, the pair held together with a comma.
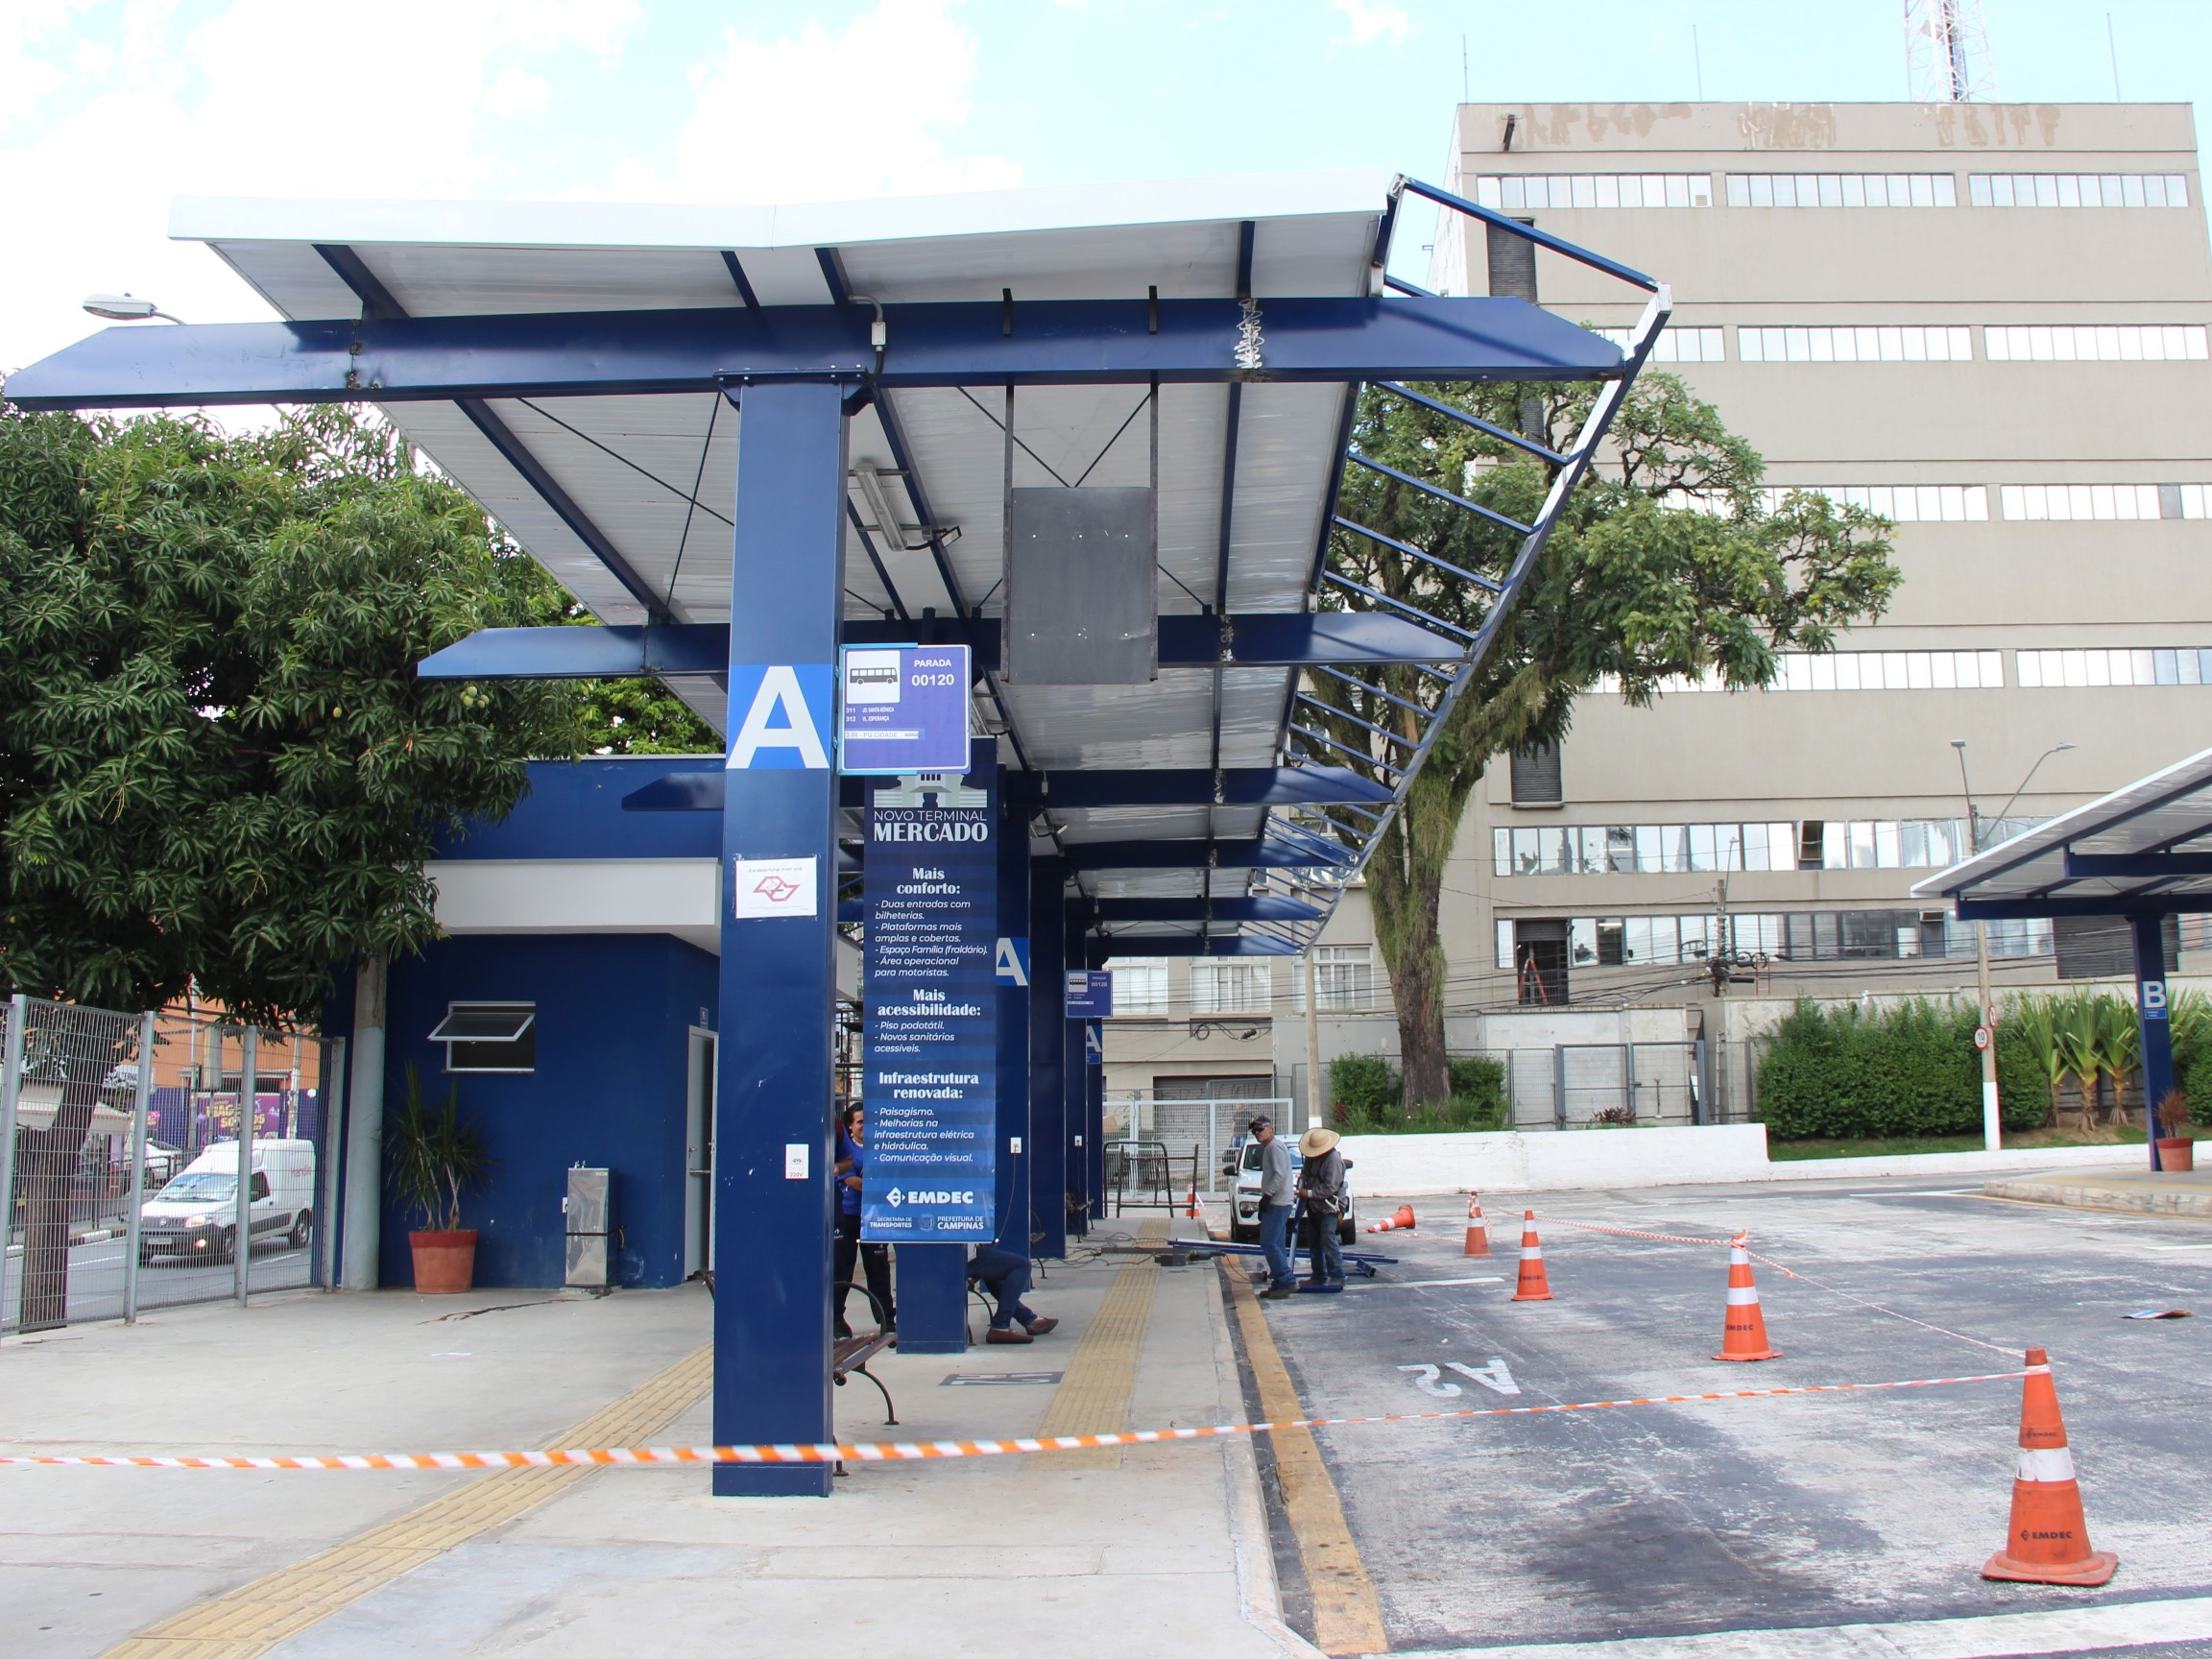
x: 195, y: 1216
x: 1244, y: 1202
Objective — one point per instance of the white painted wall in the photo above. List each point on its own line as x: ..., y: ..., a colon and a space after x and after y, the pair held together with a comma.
x: 1401, y: 1166
x: 679, y: 896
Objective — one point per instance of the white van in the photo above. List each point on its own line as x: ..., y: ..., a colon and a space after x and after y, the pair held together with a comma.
x: 195, y: 1216
x: 1243, y: 1157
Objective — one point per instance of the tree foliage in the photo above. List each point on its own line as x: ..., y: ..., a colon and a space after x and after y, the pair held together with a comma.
x: 216, y: 761
x: 1666, y: 562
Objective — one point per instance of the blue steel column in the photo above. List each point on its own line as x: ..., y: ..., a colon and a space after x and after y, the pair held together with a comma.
x: 1047, y: 1043
x: 1074, y: 1090
x: 1014, y: 1033
x: 2157, y: 1031
x: 1094, y: 1125
x: 772, y: 1233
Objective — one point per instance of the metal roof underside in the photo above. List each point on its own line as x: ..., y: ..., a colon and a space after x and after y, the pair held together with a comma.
x: 655, y: 475
x: 2169, y: 812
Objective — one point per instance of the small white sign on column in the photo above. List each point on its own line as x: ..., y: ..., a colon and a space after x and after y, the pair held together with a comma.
x: 775, y: 887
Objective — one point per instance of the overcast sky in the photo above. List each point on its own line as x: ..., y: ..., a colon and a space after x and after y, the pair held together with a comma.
x: 110, y: 108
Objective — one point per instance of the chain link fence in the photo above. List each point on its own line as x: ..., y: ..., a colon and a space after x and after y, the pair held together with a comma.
x: 120, y: 1159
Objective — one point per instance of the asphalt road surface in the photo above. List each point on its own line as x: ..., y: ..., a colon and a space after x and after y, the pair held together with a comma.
x: 96, y: 1279
x: 1815, y: 1511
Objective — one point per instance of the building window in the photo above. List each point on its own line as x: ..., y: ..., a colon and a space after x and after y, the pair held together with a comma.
x: 2156, y: 666
x: 489, y: 1036
x: 1343, y: 979
x: 1697, y: 848
x: 2035, y: 502
x: 1535, y: 776
x: 1900, y: 503
x: 1908, y: 343
x: 1842, y: 190
x: 1798, y: 936
x: 2077, y: 189
x: 2090, y: 343
x: 1512, y: 192
x: 1140, y: 985
x: 1861, y: 671
x: 1232, y: 987
x: 1679, y: 345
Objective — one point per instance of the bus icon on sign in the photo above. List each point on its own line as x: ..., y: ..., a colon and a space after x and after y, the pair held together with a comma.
x: 872, y: 676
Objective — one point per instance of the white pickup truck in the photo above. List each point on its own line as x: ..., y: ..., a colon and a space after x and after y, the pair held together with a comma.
x: 195, y: 1216
x: 1244, y: 1202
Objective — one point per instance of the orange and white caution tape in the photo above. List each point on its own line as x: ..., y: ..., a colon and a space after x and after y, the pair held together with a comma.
x: 1661, y: 1238
x: 922, y: 1450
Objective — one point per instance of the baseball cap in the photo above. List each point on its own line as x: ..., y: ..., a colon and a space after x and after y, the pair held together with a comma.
x: 1261, y: 1120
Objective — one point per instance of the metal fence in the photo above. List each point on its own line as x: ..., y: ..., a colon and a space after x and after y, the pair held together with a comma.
x: 119, y: 1162
x: 1196, y: 1133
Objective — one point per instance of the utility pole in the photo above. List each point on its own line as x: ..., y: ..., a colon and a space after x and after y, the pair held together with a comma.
x: 1986, y: 1015
x: 1316, y: 1097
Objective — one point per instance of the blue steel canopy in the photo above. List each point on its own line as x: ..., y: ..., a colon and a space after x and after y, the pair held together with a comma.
x: 579, y: 370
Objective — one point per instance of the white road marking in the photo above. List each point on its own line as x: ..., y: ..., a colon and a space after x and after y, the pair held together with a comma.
x: 2180, y: 1246
x: 1932, y: 1192
x: 1993, y: 1636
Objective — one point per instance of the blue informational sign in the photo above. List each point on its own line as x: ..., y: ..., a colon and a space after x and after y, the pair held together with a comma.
x: 1093, y: 1050
x: 904, y: 709
x: 932, y: 1022
x: 1089, y: 995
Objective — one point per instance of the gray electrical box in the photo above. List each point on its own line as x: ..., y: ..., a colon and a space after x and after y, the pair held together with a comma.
x: 589, y: 1213
x: 1082, y: 600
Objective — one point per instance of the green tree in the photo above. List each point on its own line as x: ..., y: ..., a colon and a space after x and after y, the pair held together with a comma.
x: 216, y: 761
x: 1666, y: 562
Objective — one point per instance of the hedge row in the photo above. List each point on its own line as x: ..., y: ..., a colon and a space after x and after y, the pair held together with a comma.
x: 1909, y: 1069
x: 1367, y: 1096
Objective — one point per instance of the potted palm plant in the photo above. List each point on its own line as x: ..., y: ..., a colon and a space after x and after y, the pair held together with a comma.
x: 2176, y: 1147
x: 434, y: 1155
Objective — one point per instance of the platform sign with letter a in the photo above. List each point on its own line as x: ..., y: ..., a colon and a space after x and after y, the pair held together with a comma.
x: 903, y: 708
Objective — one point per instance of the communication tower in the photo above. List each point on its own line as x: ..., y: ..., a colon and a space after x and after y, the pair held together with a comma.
x: 1947, y: 53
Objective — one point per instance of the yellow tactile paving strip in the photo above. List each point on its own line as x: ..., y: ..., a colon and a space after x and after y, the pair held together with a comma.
x: 1346, y: 1619
x: 253, y: 1618
x: 1092, y: 1397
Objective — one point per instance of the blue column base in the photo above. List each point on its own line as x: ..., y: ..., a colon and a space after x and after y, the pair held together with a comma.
x: 932, y: 1299
x: 772, y: 1480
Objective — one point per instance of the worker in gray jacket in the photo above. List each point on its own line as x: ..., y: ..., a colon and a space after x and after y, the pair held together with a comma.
x: 1321, y: 1184
x: 1275, y: 1201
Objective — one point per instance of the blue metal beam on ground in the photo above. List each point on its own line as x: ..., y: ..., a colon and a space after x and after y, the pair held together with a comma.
x: 1260, y: 640
x: 587, y: 353
x: 2135, y: 866
x: 773, y: 1100
x: 1244, y: 854
x: 2153, y: 1022
x: 1259, y: 907
x: 1046, y: 1237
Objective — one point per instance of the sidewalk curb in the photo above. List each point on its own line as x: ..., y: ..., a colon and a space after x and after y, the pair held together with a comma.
x: 1248, y: 1535
x: 97, y: 1236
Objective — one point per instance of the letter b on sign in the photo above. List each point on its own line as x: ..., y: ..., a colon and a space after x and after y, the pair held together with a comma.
x: 2153, y: 999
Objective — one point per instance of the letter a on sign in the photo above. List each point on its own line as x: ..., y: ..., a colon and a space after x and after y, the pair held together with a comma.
x: 786, y: 711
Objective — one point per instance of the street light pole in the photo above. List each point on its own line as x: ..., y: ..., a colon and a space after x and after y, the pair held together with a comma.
x: 1985, y: 1016
x: 1985, y: 1020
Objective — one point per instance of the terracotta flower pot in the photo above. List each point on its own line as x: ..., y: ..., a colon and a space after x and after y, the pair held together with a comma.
x: 2176, y: 1157
x: 444, y: 1262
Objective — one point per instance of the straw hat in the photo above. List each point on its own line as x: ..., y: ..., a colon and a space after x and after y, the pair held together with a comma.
x: 1315, y: 1142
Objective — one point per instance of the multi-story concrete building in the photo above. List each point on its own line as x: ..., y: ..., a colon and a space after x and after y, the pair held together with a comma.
x: 1986, y: 322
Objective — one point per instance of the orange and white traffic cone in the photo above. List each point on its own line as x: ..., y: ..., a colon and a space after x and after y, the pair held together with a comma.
x: 1743, y: 1334
x: 2048, y: 1542
x: 1533, y: 1285
x: 1401, y: 1222
x: 1477, y: 1229
x: 1191, y: 1210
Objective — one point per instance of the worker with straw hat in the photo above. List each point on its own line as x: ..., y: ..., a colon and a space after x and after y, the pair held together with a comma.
x: 1321, y: 1184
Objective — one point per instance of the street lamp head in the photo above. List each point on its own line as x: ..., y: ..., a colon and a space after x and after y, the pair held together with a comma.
x: 1957, y: 743
x: 120, y: 307
x: 2060, y: 748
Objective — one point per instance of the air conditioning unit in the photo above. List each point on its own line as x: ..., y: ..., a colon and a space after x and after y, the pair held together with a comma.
x: 1928, y: 918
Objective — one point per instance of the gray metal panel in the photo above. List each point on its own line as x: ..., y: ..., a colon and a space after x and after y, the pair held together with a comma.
x: 1080, y: 609
x: 589, y: 1215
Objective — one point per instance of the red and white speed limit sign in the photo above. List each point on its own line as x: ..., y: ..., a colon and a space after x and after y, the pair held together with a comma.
x: 1981, y: 1036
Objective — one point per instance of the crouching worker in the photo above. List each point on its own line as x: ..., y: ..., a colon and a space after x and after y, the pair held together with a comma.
x: 1004, y: 1276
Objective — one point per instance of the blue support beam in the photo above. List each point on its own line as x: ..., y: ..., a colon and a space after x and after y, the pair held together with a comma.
x: 701, y: 790
x: 2135, y: 866
x: 1046, y: 1237
x: 1013, y: 1000
x: 1104, y: 945
x: 1239, y: 854
x: 2152, y: 1016
x: 1076, y: 1191
x: 587, y: 353
x: 772, y: 1110
x: 1318, y: 640
x: 2033, y: 907
x: 1258, y: 907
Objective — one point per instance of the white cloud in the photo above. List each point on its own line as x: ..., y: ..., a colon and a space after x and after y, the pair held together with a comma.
x: 1373, y: 20
x: 263, y: 97
x: 815, y: 117
x: 518, y: 93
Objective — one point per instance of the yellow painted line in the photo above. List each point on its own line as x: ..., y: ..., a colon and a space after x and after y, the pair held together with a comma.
x: 250, y: 1620
x: 1347, y: 1617
x: 1093, y: 1396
